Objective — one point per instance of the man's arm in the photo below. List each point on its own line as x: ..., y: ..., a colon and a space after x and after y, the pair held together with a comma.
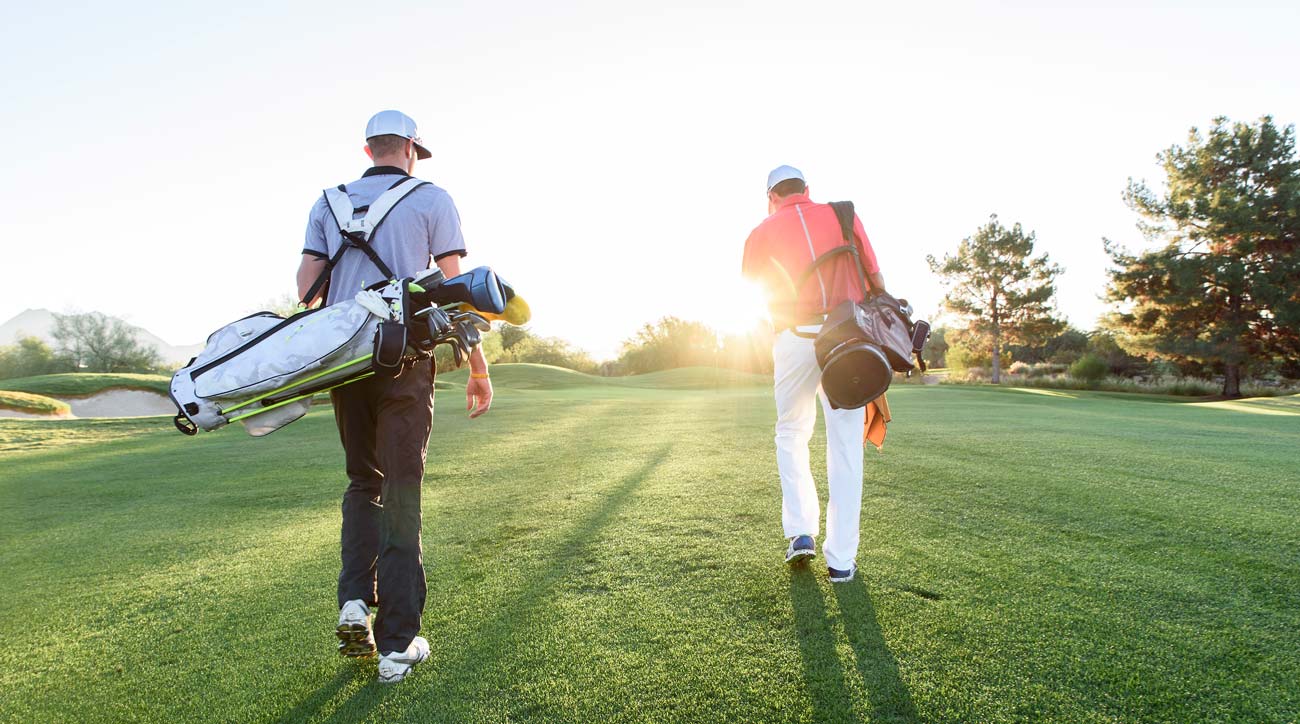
x: 868, y: 255
x: 877, y: 281
x: 315, y: 250
x: 478, y: 391
x: 309, y: 270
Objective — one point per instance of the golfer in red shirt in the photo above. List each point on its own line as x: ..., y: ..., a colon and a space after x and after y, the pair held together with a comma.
x: 778, y: 253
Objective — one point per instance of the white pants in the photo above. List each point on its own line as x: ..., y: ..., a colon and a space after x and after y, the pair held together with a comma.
x: 798, y: 385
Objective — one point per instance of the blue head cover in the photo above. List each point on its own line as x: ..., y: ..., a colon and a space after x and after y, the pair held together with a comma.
x: 480, y: 288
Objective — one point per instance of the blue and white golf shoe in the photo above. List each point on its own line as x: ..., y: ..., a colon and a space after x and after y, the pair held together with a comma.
x: 838, y: 576
x: 801, y: 547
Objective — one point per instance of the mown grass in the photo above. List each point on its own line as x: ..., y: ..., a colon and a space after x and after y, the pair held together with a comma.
x: 79, y: 384
x: 612, y: 554
x: 1188, y: 387
x: 547, y: 377
x: 35, y: 404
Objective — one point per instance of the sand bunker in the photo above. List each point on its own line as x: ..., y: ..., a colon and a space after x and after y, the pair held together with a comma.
x: 109, y: 403
x: 120, y: 403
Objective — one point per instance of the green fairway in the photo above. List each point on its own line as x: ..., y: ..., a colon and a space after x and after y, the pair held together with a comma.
x: 611, y: 552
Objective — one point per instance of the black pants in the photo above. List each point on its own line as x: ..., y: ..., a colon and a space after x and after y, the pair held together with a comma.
x: 384, y: 424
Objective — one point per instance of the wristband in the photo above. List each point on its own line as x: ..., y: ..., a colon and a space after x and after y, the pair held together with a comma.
x: 478, y: 375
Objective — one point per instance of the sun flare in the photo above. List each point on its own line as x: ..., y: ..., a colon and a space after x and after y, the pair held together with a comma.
x: 740, y: 308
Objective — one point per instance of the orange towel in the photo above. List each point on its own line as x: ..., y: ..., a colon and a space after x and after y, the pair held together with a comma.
x: 877, y: 417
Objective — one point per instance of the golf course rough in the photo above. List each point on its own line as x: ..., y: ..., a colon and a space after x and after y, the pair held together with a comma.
x: 612, y: 553
x: 26, y: 403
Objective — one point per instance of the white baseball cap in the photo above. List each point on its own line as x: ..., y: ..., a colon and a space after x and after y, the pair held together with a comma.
x: 783, y: 173
x: 396, y: 123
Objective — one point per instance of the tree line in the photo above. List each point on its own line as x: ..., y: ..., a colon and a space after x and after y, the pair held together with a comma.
x: 1216, y: 291
x: 90, y: 342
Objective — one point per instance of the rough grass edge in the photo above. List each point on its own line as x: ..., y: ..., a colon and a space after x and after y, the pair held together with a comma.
x: 1188, y: 387
x: 86, y: 384
x: 31, y: 403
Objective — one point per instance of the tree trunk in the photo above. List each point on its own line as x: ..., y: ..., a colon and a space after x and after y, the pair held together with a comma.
x: 1232, y: 380
x: 1232, y: 367
x: 997, y: 338
x: 997, y: 355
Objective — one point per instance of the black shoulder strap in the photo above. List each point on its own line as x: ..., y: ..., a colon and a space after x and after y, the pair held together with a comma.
x: 324, y: 276
x: 844, y: 214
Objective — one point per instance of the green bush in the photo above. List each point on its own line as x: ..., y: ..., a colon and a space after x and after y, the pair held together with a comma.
x: 28, y: 357
x: 1089, y: 368
x: 962, y: 357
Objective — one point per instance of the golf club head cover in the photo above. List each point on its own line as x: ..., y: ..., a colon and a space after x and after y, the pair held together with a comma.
x: 480, y: 288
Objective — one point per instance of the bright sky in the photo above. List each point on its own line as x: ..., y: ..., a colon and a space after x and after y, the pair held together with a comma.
x: 608, y: 159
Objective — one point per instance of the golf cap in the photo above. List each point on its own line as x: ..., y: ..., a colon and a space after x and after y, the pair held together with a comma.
x: 396, y: 123
x: 783, y: 173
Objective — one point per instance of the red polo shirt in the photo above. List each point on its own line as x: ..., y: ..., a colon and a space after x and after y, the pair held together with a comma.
x: 782, y: 248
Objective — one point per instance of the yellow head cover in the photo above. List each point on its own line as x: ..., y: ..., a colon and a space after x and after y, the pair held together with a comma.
x: 517, y: 312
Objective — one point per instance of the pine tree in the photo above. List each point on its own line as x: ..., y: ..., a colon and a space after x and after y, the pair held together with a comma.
x: 1000, y: 290
x: 1222, y: 283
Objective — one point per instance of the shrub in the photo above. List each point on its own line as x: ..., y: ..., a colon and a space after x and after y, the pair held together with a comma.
x: 962, y: 357
x: 1089, y: 368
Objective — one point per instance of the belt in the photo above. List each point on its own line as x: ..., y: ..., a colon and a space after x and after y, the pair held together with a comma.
x: 815, y: 320
x: 809, y: 321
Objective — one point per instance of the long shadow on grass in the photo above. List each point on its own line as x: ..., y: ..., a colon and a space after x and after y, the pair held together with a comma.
x: 887, y: 698
x: 464, y: 664
x: 347, y: 673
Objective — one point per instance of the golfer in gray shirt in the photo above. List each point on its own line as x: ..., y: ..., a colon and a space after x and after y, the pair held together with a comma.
x: 384, y: 422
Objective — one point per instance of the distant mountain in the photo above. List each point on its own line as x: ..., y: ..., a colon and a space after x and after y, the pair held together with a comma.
x: 40, y: 323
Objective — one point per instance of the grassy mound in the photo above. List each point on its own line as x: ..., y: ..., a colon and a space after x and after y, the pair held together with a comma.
x: 35, y: 404
x: 80, y: 384
x: 693, y: 378
x: 528, y: 376
x: 1286, y: 405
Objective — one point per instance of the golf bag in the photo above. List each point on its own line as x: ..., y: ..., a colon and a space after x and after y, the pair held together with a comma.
x: 263, y: 370
x: 862, y: 344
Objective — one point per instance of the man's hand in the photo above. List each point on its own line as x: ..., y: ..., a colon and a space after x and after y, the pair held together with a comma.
x: 478, y: 391
x: 478, y: 395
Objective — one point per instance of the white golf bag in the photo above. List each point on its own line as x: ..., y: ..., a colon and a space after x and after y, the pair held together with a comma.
x: 264, y: 369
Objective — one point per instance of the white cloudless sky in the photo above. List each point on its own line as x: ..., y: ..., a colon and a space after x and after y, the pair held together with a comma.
x: 607, y: 158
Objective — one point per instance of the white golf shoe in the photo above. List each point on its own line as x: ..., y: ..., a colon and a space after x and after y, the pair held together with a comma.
x: 355, y: 636
x: 394, y: 666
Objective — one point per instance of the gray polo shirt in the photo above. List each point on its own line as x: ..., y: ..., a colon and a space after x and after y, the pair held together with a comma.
x: 421, y: 228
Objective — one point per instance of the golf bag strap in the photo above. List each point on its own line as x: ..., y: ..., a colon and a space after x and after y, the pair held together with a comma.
x: 844, y: 214
x: 323, y: 277
x: 341, y: 207
x: 358, y: 232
